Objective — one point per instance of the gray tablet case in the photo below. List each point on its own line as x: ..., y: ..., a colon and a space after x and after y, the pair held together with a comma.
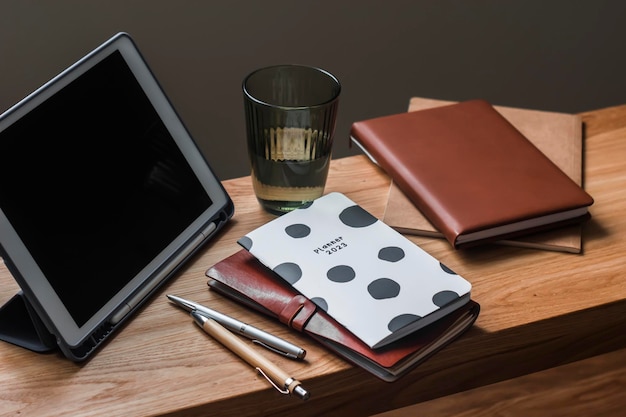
x: 103, y: 196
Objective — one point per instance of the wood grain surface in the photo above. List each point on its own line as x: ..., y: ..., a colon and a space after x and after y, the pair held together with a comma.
x: 590, y: 387
x: 539, y: 310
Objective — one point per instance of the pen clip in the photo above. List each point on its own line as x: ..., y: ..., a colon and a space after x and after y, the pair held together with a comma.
x: 273, y: 349
x: 282, y: 391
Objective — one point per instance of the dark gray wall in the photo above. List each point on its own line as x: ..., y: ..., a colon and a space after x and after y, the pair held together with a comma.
x: 564, y: 56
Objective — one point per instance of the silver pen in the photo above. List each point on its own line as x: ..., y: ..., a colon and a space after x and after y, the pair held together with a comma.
x: 258, y: 336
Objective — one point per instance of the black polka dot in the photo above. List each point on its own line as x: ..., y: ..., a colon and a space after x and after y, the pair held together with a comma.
x: 320, y: 302
x: 444, y: 297
x: 402, y: 320
x: 289, y: 271
x: 298, y: 230
x: 341, y: 273
x: 246, y: 242
x: 383, y: 288
x: 355, y: 216
x: 391, y: 254
x: 446, y: 269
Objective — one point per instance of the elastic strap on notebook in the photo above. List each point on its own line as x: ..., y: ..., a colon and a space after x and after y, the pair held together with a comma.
x: 297, y: 312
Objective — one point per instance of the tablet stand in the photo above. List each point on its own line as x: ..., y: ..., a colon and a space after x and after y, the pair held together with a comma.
x: 21, y: 326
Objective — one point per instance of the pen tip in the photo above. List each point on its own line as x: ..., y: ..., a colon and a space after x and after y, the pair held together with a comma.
x: 174, y: 298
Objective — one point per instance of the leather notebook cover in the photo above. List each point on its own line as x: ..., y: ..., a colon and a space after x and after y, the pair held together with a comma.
x: 471, y: 172
x: 558, y: 135
x: 242, y: 277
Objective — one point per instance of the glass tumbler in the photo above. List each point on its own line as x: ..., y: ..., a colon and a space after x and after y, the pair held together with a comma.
x: 290, y: 113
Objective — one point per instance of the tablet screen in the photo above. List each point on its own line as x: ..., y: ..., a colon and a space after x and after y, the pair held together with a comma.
x: 87, y: 177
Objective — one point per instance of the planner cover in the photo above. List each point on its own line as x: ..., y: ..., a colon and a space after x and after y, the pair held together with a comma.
x: 368, y: 277
x: 471, y: 172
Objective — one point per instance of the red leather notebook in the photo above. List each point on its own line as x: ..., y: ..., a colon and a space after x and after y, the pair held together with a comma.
x: 471, y: 172
x: 558, y: 135
x: 243, y: 278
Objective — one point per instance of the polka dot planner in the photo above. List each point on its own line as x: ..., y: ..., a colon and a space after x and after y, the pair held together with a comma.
x: 368, y: 277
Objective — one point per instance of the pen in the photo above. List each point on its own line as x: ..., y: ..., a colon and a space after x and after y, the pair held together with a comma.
x: 258, y: 336
x: 276, y: 376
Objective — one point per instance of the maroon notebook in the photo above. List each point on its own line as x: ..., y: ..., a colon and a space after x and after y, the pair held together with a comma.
x: 243, y: 278
x: 471, y: 172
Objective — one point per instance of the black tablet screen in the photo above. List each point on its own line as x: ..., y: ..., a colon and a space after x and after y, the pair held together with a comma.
x: 87, y: 177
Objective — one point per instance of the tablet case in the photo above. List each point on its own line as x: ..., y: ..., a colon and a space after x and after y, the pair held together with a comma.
x: 20, y: 325
x: 243, y: 278
x: 23, y: 319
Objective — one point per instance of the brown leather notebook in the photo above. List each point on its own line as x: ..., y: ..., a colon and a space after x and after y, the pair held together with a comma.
x: 472, y: 173
x: 558, y: 135
x: 243, y: 278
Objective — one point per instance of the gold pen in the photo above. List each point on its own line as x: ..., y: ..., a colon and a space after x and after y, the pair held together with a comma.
x: 276, y: 376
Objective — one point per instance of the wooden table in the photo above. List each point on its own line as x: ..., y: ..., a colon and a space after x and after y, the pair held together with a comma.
x: 539, y: 309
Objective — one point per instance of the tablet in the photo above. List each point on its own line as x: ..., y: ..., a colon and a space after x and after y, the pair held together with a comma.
x: 103, y: 196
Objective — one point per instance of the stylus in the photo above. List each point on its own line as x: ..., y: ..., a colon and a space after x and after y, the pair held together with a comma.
x: 258, y: 336
x: 275, y: 375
